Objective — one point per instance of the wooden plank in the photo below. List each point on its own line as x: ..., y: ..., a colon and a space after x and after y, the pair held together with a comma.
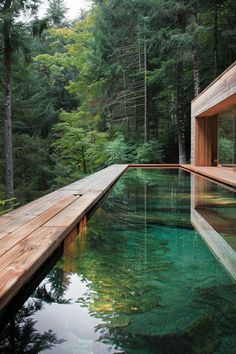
x: 4, y: 219
x: 219, y: 174
x: 154, y: 165
x: 93, y: 182
x: 20, y: 263
x: 206, y: 141
x: 221, y: 107
x: 70, y: 216
x: 214, y: 81
x: 22, y: 215
x: 34, y: 204
x: 89, y: 182
x: 107, y: 181
x: 214, y: 142
x: 48, y: 200
x: 20, y: 218
x: 221, y: 93
x: 199, y: 145
x: 9, y: 240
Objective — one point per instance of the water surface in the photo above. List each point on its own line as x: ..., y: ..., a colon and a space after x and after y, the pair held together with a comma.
x: 138, y: 279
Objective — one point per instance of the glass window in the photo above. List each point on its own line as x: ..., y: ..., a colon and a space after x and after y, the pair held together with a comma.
x: 227, y: 139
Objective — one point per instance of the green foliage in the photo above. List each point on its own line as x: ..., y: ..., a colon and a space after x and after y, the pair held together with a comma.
x: 117, y: 150
x: 56, y: 12
x: 33, y: 166
x: 7, y: 205
x: 120, y: 152
x: 150, y: 152
x: 77, y: 149
x: 226, y: 150
x: 67, y: 84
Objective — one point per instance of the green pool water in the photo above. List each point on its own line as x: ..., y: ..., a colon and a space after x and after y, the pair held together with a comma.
x: 137, y: 279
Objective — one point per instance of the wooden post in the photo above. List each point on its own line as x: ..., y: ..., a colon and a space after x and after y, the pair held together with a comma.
x: 206, y: 143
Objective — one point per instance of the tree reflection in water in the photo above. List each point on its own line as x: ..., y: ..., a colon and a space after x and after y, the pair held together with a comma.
x: 140, y: 280
x: 20, y: 335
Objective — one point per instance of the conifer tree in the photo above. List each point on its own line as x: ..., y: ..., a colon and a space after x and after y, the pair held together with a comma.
x: 12, y: 32
x: 56, y: 12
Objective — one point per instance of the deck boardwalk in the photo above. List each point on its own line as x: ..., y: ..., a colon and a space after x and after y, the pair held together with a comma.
x: 219, y: 174
x: 30, y: 234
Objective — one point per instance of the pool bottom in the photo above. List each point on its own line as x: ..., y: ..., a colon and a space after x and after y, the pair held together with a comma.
x: 138, y: 279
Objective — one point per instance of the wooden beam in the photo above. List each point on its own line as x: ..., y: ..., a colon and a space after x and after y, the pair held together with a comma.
x: 206, y: 130
x: 153, y: 165
x: 219, y: 174
x: 221, y: 94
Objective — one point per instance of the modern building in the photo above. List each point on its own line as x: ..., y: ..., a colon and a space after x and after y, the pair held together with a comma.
x: 213, y: 123
x: 213, y: 155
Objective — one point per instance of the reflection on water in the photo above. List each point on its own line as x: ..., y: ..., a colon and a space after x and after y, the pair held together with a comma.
x: 138, y: 279
x: 217, y: 205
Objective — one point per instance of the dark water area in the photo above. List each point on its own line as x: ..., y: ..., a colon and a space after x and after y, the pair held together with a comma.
x: 137, y: 279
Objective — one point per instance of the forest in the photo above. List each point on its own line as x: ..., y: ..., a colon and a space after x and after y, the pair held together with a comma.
x: 113, y: 86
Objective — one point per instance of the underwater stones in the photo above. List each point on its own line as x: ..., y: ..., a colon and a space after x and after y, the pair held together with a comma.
x: 119, y: 322
x: 219, y: 301
x: 194, y: 338
x: 101, y: 307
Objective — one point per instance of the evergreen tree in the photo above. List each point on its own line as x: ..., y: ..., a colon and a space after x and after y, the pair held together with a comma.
x: 56, y: 12
x: 12, y: 33
x: 115, y: 84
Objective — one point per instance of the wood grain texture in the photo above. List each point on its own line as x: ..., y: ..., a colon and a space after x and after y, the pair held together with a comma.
x: 216, y: 94
x: 206, y: 141
x: 219, y: 174
x: 19, y: 264
x: 4, y: 219
x: 70, y: 216
x: 29, y: 235
x: 11, y: 239
x: 154, y: 165
x: 22, y: 215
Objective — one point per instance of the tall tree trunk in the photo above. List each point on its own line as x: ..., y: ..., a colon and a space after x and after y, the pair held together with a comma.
x: 180, y: 95
x: 146, y: 123
x: 84, y: 160
x: 8, y: 155
x: 196, y: 76
x: 215, y: 40
x: 138, y: 71
x: 180, y: 110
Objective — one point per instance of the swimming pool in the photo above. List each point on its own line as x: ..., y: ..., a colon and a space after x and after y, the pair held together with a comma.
x: 137, y: 279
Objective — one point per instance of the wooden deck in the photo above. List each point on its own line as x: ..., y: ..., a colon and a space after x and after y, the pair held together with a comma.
x: 31, y: 233
x: 218, y: 174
